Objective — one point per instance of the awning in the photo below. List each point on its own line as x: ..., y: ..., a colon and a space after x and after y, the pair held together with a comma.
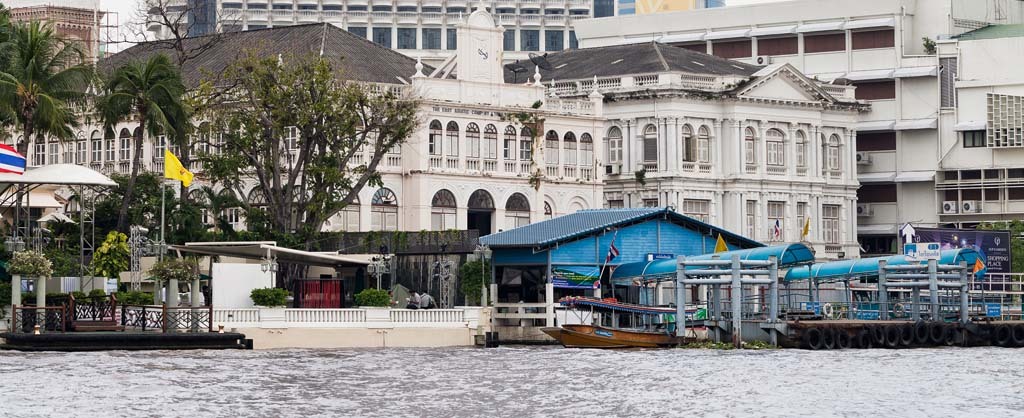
x: 728, y: 34
x: 972, y: 125
x: 930, y: 71
x: 873, y: 126
x: 886, y: 22
x: 773, y: 30
x: 788, y: 255
x: 256, y: 250
x: 915, y: 176
x: 682, y: 37
x: 39, y: 198
x: 911, y: 124
x: 55, y: 217
x: 59, y: 174
x: 820, y: 27
x: 868, y: 75
x: 868, y: 267
x: 876, y: 229
x: 876, y: 177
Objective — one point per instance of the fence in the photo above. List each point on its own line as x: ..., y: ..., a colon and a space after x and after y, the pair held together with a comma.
x: 347, y: 318
x: 164, y: 319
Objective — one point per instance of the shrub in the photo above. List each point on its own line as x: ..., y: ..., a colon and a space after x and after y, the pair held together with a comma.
x: 373, y: 297
x: 30, y: 263
x: 96, y: 293
x: 471, y: 279
x: 134, y: 298
x: 270, y: 297
x: 79, y: 295
x: 112, y: 257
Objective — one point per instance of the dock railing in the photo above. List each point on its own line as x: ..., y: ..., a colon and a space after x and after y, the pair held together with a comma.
x: 47, y: 318
x: 163, y: 318
x: 459, y: 317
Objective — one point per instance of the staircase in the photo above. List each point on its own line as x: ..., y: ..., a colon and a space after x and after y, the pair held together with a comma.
x: 92, y: 314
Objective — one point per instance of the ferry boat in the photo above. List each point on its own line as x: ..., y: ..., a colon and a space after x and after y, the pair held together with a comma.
x: 646, y: 326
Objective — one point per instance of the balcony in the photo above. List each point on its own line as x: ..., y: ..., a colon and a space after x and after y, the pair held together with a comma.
x: 587, y: 174
x: 510, y: 167
x: 458, y: 3
x: 473, y: 164
x: 379, y: 17
x: 308, y: 16
x: 551, y: 171
x: 408, y: 2
x: 451, y: 163
x: 436, y: 163
x: 431, y: 17
x: 776, y: 170
x: 529, y: 20
x: 392, y: 160
x: 570, y: 171
x: 650, y: 167
x: 408, y: 17
x: 358, y: 17
x: 507, y: 20
x: 750, y: 169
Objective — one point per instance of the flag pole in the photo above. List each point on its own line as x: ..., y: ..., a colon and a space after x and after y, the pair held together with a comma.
x: 163, y: 204
x: 604, y: 266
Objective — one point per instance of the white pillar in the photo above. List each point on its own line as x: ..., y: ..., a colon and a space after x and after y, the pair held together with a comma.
x: 40, y: 292
x: 195, y: 293
x: 549, y: 302
x: 15, y: 290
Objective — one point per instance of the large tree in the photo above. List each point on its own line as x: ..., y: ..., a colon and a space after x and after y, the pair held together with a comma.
x: 152, y: 91
x: 41, y: 78
x: 294, y: 128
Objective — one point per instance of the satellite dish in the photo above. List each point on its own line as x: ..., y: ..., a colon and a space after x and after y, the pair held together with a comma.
x: 541, y: 61
x: 516, y: 68
x: 841, y: 81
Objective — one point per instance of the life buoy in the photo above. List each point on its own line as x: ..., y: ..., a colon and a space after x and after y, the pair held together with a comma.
x: 877, y: 335
x: 829, y: 338
x: 865, y: 339
x: 842, y: 339
x: 892, y: 336
x: 1003, y: 335
x: 899, y: 310
x: 812, y: 339
x: 937, y: 333
x: 828, y: 310
x: 907, y: 335
x: 1018, y: 335
x: 921, y: 333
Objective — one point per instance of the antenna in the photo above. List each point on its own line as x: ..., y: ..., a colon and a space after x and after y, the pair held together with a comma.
x: 516, y: 68
x: 541, y: 61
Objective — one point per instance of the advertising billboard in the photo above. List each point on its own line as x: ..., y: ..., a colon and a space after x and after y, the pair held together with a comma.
x: 993, y: 245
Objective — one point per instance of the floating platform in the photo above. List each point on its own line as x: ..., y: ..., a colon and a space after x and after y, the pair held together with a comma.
x: 842, y: 334
x: 101, y: 341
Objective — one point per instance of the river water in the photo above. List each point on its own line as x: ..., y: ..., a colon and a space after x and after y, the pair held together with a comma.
x: 515, y: 382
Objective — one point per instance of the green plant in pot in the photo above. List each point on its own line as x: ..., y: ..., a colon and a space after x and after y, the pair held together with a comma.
x: 270, y: 297
x: 29, y: 265
x: 173, y: 271
x: 373, y: 298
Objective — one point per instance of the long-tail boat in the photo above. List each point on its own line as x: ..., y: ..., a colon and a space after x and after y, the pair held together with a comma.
x: 631, y: 325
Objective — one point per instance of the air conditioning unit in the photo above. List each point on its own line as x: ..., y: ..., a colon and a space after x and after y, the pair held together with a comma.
x: 970, y: 206
x: 613, y: 169
x: 950, y: 207
x: 863, y: 158
x: 762, y: 60
x: 865, y: 209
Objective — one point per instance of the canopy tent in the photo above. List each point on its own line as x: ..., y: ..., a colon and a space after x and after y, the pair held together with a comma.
x: 868, y: 267
x: 56, y: 217
x: 788, y: 255
x: 257, y: 250
x: 57, y: 174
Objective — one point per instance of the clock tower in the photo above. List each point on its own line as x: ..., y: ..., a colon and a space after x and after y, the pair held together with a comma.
x: 480, y: 47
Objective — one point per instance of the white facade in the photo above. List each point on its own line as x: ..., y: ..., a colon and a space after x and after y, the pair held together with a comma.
x: 874, y: 44
x: 425, y: 28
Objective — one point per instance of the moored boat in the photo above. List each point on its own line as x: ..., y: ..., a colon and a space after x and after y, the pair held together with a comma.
x: 591, y: 336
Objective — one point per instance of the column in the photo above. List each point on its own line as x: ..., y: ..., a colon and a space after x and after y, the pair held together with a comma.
x: 761, y: 148
x: 791, y: 150
x: 671, y: 157
x: 15, y: 291
x: 716, y: 147
x: 739, y: 168
x: 40, y: 292
x: 195, y: 293
x: 172, y: 293
x: 627, y: 148
x: 851, y: 155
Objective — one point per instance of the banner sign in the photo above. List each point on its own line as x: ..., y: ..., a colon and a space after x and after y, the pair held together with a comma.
x: 576, y: 277
x: 994, y: 246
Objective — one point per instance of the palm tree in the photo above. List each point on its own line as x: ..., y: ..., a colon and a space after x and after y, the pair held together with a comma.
x: 42, y: 76
x: 152, y: 90
x: 218, y: 204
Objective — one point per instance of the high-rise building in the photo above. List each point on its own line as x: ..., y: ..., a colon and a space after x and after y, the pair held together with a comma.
x: 641, y: 7
x: 202, y: 17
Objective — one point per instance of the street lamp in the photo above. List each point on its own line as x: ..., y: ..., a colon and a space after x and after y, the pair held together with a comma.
x: 484, y: 252
x: 14, y: 244
x: 268, y: 265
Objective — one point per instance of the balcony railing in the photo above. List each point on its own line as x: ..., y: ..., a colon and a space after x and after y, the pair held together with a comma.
x: 751, y: 169
x: 436, y: 162
x: 451, y: 163
x: 570, y: 171
x: 490, y: 165
x: 473, y: 164
x: 776, y: 170
x: 551, y: 171
x: 650, y: 167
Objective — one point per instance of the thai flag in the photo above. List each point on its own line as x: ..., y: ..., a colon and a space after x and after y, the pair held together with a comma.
x: 777, y: 230
x: 11, y: 161
x: 612, y: 252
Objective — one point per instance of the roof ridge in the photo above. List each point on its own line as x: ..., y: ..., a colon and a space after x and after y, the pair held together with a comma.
x: 657, y: 49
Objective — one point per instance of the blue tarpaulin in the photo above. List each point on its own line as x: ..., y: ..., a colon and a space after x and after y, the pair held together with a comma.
x: 788, y: 255
x: 868, y: 267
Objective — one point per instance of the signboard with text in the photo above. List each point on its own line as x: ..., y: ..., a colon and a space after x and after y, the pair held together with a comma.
x: 994, y: 246
x: 923, y: 251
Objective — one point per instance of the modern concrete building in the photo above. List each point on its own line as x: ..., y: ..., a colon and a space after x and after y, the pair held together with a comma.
x: 885, y: 49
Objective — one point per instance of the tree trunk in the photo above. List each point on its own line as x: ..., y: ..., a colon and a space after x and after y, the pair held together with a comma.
x: 122, y: 216
x: 25, y: 141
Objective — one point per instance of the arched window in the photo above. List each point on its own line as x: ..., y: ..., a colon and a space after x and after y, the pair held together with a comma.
x: 97, y: 146
x: 53, y: 156
x: 775, y: 145
x: 490, y: 143
x: 472, y: 141
x: 570, y: 149
x: 834, y: 162
x: 704, y: 145
x: 434, y: 138
x: 614, y: 145
x: 517, y: 211
x: 69, y: 151
x: 480, y: 199
x: 125, y: 149
x: 442, y: 211
x: 39, y: 156
x: 651, y: 144
x: 110, y: 139
x: 346, y: 219
x: 509, y: 143
x: 801, y: 149
x: 586, y: 149
x: 384, y: 210
x: 749, y: 146
x: 551, y: 148
x: 548, y: 212
x: 525, y: 144
x: 257, y: 199
x: 689, y: 144
x: 451, y: 143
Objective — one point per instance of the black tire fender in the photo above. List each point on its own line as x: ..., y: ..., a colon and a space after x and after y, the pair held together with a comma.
x: 877, y: 333
x: 907, y: 335
x: 892, y: 336
x: 1003, y: 335
x: 842, y: 338
x: 921, y: 333
x: 937, y: 333
x: 829, y: 338
x: 812, y: 339
x: 864, y: 339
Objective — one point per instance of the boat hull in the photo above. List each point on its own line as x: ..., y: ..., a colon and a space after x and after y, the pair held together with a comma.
x: 589, y: 336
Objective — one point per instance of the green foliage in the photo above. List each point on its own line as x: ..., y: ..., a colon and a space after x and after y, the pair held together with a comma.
x: 373, y: 297
x: 1016, y: 228
x: 472, y: 276
x: 179, y: 269
x: 97, y: 293
x: 929, y: 45
x: 329, y: 121
x: 641, y: 176
x: 30, y: 263
x: 112, y: 257
x: 65, y: 261
x: 5, y: 299
x: 79, y: 294
x: 270, y: 297
x: 134, y: 298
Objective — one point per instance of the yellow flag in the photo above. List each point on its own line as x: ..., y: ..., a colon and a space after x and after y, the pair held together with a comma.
x: 174, y: 170
x: 720, y: 246
x: 807, y: 229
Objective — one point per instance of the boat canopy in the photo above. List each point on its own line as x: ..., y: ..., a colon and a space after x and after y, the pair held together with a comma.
x: 615, y: 306
x: 789, y: 255
x: 868, y: 267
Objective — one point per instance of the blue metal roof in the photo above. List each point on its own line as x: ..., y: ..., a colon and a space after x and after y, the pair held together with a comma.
x: 788, y: 255
x: 868, y: 267
x: 586, y: 222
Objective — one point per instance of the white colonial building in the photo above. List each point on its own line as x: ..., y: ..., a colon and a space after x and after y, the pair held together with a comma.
x: 877, y: 45
x: 761, y: 151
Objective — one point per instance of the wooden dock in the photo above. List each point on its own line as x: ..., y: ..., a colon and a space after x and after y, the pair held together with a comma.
x: 99, y: 341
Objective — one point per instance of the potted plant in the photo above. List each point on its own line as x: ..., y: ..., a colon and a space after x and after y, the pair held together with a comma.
x: 31, y: 265
x: 376, y: 302
x: 173, y: 271
x: 271, y: 302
